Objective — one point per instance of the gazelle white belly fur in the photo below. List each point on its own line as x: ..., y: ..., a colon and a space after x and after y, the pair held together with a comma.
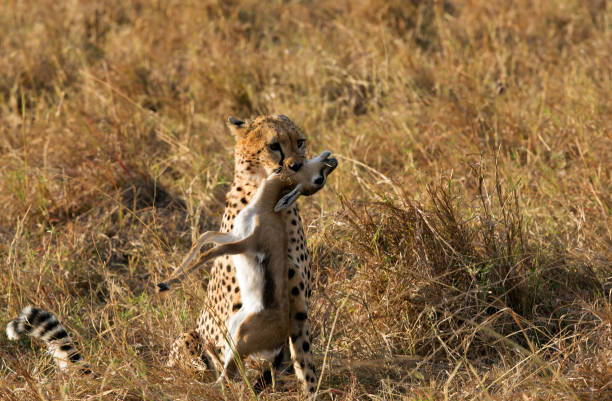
x: 249, y: 272
x: 249, y: 269
x: 250, y: 276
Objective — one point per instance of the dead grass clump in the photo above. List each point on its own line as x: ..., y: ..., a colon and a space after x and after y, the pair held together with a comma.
x: 444, y: 283
x: 451, y: 273
x: 140, y: 220
x: 146, y: 192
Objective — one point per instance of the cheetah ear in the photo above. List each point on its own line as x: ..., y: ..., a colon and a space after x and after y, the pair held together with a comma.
x: 289, y: 199
x: 237, y: 127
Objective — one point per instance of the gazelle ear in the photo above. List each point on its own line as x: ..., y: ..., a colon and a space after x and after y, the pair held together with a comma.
x: 237, y: 127
x: 289, y: 199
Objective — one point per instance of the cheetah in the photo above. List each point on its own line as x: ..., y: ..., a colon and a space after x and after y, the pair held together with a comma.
x: 262, y: 145
x: 257, y: 244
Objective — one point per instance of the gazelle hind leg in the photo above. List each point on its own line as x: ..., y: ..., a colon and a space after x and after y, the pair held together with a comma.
x: 230, y: 348
x: 256, y: 332
x: 229, y: 248
x: 209, y: 236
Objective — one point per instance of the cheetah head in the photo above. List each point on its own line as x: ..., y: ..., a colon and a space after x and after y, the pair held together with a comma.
x: 266, y: 143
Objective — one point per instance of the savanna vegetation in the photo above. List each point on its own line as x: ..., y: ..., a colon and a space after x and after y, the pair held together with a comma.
x: 462, y: 249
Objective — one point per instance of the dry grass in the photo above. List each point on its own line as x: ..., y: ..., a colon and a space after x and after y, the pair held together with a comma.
x: 463, y: 248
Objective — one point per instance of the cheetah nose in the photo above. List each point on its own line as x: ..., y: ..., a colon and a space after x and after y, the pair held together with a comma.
x: 296, y: 166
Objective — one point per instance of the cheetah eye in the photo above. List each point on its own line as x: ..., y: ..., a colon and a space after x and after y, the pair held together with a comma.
x: 274, y: 146
x: 301, y: 143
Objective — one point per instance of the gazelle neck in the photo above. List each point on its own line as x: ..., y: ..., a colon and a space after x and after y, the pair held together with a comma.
x: 269, y: 192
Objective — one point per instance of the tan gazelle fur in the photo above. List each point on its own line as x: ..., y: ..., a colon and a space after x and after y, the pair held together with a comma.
x: 258, y: 245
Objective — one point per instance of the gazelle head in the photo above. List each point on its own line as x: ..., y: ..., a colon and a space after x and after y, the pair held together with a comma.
x: 308, y: 180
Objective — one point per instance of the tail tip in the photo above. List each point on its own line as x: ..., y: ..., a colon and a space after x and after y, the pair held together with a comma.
x: 26, y: 311
x: 11, y: 331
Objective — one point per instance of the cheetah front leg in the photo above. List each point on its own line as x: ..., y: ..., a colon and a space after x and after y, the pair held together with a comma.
x: 300, y: 341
